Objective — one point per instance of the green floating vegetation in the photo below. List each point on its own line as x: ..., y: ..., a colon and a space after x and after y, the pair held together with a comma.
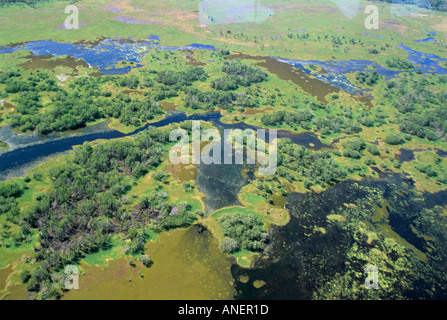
x: 354, y: 225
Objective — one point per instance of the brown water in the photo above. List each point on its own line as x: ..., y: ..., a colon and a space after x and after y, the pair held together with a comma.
x: 253, y: 111
x: 128, y: 92
x: 188, y: 264
x: 279, y: 201
x: 8, y: 105
x: 284, y: 71
x: 317, y: 88
x: 16, y: 292
x: 49, y: 62
x: 183, y: 172
x: 4, y: 275
x: 168, y: 106
x: 10, y: 292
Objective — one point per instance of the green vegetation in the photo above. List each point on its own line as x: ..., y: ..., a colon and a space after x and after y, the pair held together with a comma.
x: 4, y: 145
x: 347, y: 228
x: 81, y: 103
x: 87, y: 204
x: 394, y: 138
x: 146, y: 260
x: 368, y: 78
x: 354, y: 148
x: 120, y: 187
x: 110, y: 199
x: 242, y: 231
x: 422, y: 111
x: 296, y: 118
x: 242, y: 74
x: 296, y: 163
x: 430, y: 4
x: 180, y: 79
x: 237, y: 74
x: 373, y: 149
x: 44, y: 106
x: 399, y: 64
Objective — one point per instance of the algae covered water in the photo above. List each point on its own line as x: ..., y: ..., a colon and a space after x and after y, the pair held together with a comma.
x: 188, y: 265
x: 316, y: 246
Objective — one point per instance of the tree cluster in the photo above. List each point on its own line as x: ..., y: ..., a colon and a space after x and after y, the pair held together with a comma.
x: 296, y: 163
x: 422, y: 112
x: 242, y: 231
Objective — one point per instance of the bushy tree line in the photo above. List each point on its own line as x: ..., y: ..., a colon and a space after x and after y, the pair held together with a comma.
x: 245, y: 74
x: 399, y: 63
x: 209, y: 100
x: 85, y: 101
x: 348, y: 122
x: 180, y: 79
x: 354, y: 148
x: 296, y: 163
x: 299, y: 117
x: 238, y: 74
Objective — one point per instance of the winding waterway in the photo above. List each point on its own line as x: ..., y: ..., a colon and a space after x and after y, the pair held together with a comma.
x: 30, y: 148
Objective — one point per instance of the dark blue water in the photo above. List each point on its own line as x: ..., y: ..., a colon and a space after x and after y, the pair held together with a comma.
x: 29, y: 154
x: 406, y: 155
x: 429, y: 39
x: 441, y: 153
x: 298, y: 262
x: 105, y: 54
x: 335, y: 71
x: 426, y: 62
x: 26, y: 155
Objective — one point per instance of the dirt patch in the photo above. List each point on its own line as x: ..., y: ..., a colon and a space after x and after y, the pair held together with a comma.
x: 395, y: 26
x: 181, y: 15
x: 120, y: 7
x: 305, y: 7
x: 441, y: 26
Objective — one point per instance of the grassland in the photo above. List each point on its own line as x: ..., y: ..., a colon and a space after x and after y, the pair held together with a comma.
x: 178, y: 23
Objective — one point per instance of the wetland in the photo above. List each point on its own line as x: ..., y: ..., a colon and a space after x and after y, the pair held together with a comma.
x: 85, y: 177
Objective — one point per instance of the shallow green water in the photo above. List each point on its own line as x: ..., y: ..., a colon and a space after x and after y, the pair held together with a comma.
x: 188, y: 264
